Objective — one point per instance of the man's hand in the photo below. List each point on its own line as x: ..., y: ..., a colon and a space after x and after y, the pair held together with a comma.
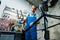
x: 31, y: 24
x: 38, y: 22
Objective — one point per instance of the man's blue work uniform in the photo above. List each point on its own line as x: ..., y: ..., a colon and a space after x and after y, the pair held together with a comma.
x: 32, y: 33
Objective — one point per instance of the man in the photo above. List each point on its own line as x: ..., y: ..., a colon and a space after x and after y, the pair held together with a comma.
x: 30, y: 19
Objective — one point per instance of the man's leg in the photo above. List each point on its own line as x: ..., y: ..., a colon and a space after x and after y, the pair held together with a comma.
x: 33, y: 35
x: 27, y: 36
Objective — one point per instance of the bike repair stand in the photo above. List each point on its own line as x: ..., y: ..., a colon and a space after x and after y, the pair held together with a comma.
x: 45, y: 9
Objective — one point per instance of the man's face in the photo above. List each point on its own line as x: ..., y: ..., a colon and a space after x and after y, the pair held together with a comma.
x: 33, y: 8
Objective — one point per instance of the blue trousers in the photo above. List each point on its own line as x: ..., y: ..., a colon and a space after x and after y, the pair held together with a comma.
x: 31, y: 35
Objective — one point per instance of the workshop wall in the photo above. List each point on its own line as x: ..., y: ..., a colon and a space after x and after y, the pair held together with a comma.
x: 18, y: 5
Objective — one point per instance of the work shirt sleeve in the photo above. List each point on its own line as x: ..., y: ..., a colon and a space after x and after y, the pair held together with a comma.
x: 37, y: 16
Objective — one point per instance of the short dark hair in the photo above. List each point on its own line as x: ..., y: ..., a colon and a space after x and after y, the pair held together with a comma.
x: 35, y: 6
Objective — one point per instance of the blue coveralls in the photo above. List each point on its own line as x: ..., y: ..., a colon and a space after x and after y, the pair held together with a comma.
x: 32, y: 33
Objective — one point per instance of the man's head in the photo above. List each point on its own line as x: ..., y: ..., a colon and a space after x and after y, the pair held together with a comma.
x: 33, y: 8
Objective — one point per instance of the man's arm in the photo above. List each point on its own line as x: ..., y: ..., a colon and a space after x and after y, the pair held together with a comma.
x: 38, y: 22
x: 37, y: 16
